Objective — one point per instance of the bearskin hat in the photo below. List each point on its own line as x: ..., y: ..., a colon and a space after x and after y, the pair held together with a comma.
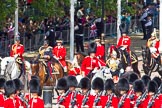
x: 123, y: 84
x: 92, y: 48
x: 98, y: 83
x: 72, y: 81
x: 152, y: 86
x: 157, y: 80
x: 62, y: 84
x: 139, y: 86
x: 18, y: 84
x: 34, y: 86
x: 9, y: 88
x: 109, y: 84
x: 145, y: 79
x: 132, y: 77
x: 2, y: 82
x: 35, y: 77
x: 85, y: 83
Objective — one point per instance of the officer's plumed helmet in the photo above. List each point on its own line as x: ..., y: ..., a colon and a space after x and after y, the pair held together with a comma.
x: 132, y: 77
x: 123, y: 84
x: 85, y: 83
x: 34, y: 86
x: 92, y: 48
x: 109, y: 84
x: 139, y: 86
x: 18, y: 84
x: 17, y: 38
x: 9, y: 88
x: 62, y: 84
x: 152, y: 86
x: 2, y: 82
x: 98, y: 84
x: 72, y: 81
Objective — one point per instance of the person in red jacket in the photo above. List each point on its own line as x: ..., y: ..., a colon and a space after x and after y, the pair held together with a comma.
x: 124, y: 44
x: 63, y: 91
x: 139, y: 89
x: 85, y: 99
x: 110, y: 100
x: 100, y: 52
x: 152, y: 90
x: 18, y: 96
x: 90, y: 62
x: 10, y: 93
x: 36, y: 101
x: 123, y: 87
x: 2, y: 91
x: 59, y: 52
x: 17, y: 49
x: 98, y: 87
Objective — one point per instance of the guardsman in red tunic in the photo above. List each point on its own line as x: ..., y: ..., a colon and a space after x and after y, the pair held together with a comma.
x: 62, y: 88
x: 110, y: 100
x: 98, y: 86
x: 2, y: 91
x: 153, y: 43
x: 123, y: 87
x: 100, y: 52
x: 10, y: 90
x: 17, y: 49
x: 18, y: 96
x: 131, y: 94
x: 73, y: 95
x: 124, y: 44
x: 139, y: 89
x: 35, y: 101
x: 59, y: 52
x: 90, y: 62
x: 85, y: 99
x: 152, y: 102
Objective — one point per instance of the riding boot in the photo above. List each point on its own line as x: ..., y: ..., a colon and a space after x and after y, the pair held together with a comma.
x: 48, y: 74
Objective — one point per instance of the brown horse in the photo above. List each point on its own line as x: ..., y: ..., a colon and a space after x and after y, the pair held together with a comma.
x: 38, y: 68
x: 77, y: 61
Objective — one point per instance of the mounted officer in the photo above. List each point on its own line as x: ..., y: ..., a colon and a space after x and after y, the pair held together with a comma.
x: 17, y: 50
x: 45, y: 53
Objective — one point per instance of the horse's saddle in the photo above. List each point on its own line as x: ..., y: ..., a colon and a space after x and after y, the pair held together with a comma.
x: 53, y: 69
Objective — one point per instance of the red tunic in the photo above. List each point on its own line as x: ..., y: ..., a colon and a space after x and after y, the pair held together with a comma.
x: 60, y: 53
x: 89, y: 102
x: 112, y: 47
x: 100, y: 102
x: 17, y: 50
x: 71, y: 97
x: 10, y: 103
x: 74, y: 71
x: 19, y: 103
x: 100, y: 52
x: 89, y: 63
x: 156, y: 103
x: 126, y: 102
x: 124, y: 40
x: 114, y: 101
x: 36, y: 103
x: 2, y: 99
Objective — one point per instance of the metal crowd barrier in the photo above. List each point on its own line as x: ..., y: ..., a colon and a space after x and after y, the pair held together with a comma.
x: 35, y: 41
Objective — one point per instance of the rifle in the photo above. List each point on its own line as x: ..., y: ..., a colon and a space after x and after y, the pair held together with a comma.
x: 63, y: 97
x: 121, y: 102
x: 85, y: 98
x: 97, y: 99
x: 109, y: 101
x: 23, y: 100
x: 131, y: 94
x: 139, y: 100
x: 73, y: 100
x: 151, y: 101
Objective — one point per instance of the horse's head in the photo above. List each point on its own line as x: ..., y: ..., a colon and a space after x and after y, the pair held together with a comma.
x: 79, y: 58
x: 146, y: 55
x: 34, y: 67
